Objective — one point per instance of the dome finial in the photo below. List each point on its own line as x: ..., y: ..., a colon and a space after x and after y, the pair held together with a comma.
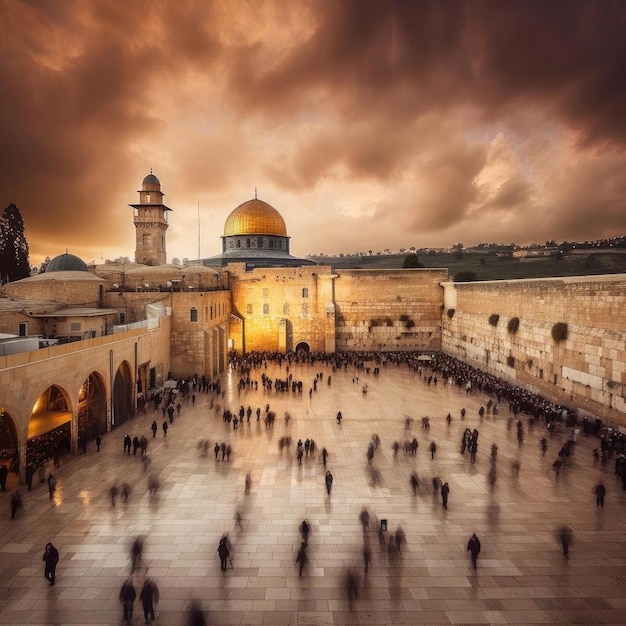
x: 150, y: 170
x: 255, y: 193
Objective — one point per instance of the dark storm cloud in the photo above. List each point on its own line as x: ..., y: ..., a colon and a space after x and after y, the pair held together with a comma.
x: 391, y: 106
x: 568, y: 55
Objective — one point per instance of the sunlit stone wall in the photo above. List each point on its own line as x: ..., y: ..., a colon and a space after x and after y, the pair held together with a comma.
x: 587, y: 369
x: 389, y: 309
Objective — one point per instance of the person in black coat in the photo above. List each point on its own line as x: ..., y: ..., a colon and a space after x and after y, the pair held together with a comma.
x: 473, y: 547
x: 127, y: 598
x: 51, y: 558
x: 445, y: 491
x: 4, y: 472
x: 224, y: 552
x: 149, y: 596
x: 30, y: 473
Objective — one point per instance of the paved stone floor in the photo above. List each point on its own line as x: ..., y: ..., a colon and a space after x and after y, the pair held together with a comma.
x: 522, y: 576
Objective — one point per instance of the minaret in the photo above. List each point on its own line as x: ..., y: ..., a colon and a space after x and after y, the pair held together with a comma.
x: 150, y: 218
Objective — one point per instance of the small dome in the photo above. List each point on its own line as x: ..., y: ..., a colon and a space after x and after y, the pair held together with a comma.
x: 151, y: 179
x: 66, y: 263
x: 255, y: 217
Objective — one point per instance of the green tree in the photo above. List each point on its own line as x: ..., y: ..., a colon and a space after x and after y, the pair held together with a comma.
x: 411, y: 260
x: 14, y: 264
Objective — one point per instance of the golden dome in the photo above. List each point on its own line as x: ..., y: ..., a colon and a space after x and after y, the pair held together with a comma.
x: 255, y: 217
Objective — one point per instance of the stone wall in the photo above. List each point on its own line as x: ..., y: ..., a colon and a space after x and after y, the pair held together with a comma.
x: 199, y: 331
x: 389, y: 309
x: 586, y: 370
x: 279, y: 308
x: 67, y: 288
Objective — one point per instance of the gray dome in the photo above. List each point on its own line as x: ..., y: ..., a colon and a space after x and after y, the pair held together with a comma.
x: 66, y: 263
x: 151, y: 179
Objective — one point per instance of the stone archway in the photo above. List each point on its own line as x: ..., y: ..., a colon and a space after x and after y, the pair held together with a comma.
x: 303, y: 346
x: 122, y: 395
x: 92, y: 408
x: 9, y: 444
x: 50, y: 426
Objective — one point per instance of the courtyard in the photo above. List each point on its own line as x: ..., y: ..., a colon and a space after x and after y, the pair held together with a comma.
x: 522, y: 576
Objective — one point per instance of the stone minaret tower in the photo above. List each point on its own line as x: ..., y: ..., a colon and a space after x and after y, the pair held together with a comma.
x: 150, y: 218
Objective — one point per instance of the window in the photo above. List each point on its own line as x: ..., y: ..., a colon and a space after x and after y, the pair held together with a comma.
x: 266, y: 309
x: 146, y: 239
x: 147, y: 198
x: 211, y: 312
x: 193, y: 314
x: 75, y: 327
x: 305, y: 292
x: 249, y: 309
x: 22, y: 329
x: 285, y: 309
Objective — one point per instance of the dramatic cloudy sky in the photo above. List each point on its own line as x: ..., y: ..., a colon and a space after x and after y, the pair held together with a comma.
x: 369, y: 124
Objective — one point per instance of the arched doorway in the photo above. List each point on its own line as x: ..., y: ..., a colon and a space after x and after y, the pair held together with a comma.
x: 303, y: 346
x: 92, y: 407
x: 122, y: 395
x: 50, y: 426
x: 9, y: 452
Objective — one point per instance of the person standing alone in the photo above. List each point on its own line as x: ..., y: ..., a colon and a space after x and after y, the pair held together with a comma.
x: 473, y: 547
x: 51, y: 558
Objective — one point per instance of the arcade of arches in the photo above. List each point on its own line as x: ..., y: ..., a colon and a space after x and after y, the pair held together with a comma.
x: 52, y: 420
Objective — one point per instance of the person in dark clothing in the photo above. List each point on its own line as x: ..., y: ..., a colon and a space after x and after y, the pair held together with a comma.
x: 30, y: 473
x: 302, y: 557
x: 565, y: 537
x: 433, y: 449
x: 329, y: 482
x: 51, y: 558
x: 154, y: 428
x: 4, y: 472
x: 98, y: 442
x: 165, y: 427
x: 127, y: 444
x: 16, y: 503
x: 414, y: 483
x: 600, y: 491
x: 149, y: 596
x: 445, y: 491
x: 473, y: 547
x: 324, y: 456
x: 136, y: 553
x: 135, y: 444
x: 305, y: 529
x: 127, y: 598
x: 223, y: 552
x: 52, y: 485
x: 195, y: 616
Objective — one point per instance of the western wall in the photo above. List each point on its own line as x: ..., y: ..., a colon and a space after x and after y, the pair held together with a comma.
x: 586, y: 369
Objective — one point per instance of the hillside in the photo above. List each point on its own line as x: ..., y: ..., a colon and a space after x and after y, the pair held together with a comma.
x: 494, y: 267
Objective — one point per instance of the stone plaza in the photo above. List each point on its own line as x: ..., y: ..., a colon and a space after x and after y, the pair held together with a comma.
x: 522, y: 576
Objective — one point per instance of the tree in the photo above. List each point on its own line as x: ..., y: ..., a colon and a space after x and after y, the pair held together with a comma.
x: 411, y: 260
x: 14, y: 264
x: 465, y: 276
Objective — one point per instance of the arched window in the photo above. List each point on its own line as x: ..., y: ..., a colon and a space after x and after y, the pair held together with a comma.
x: 286, y: 309
x: 266, y: 309
x: 193, y: 314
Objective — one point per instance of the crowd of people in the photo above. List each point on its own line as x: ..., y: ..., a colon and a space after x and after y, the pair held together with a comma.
x: 441, y: 369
